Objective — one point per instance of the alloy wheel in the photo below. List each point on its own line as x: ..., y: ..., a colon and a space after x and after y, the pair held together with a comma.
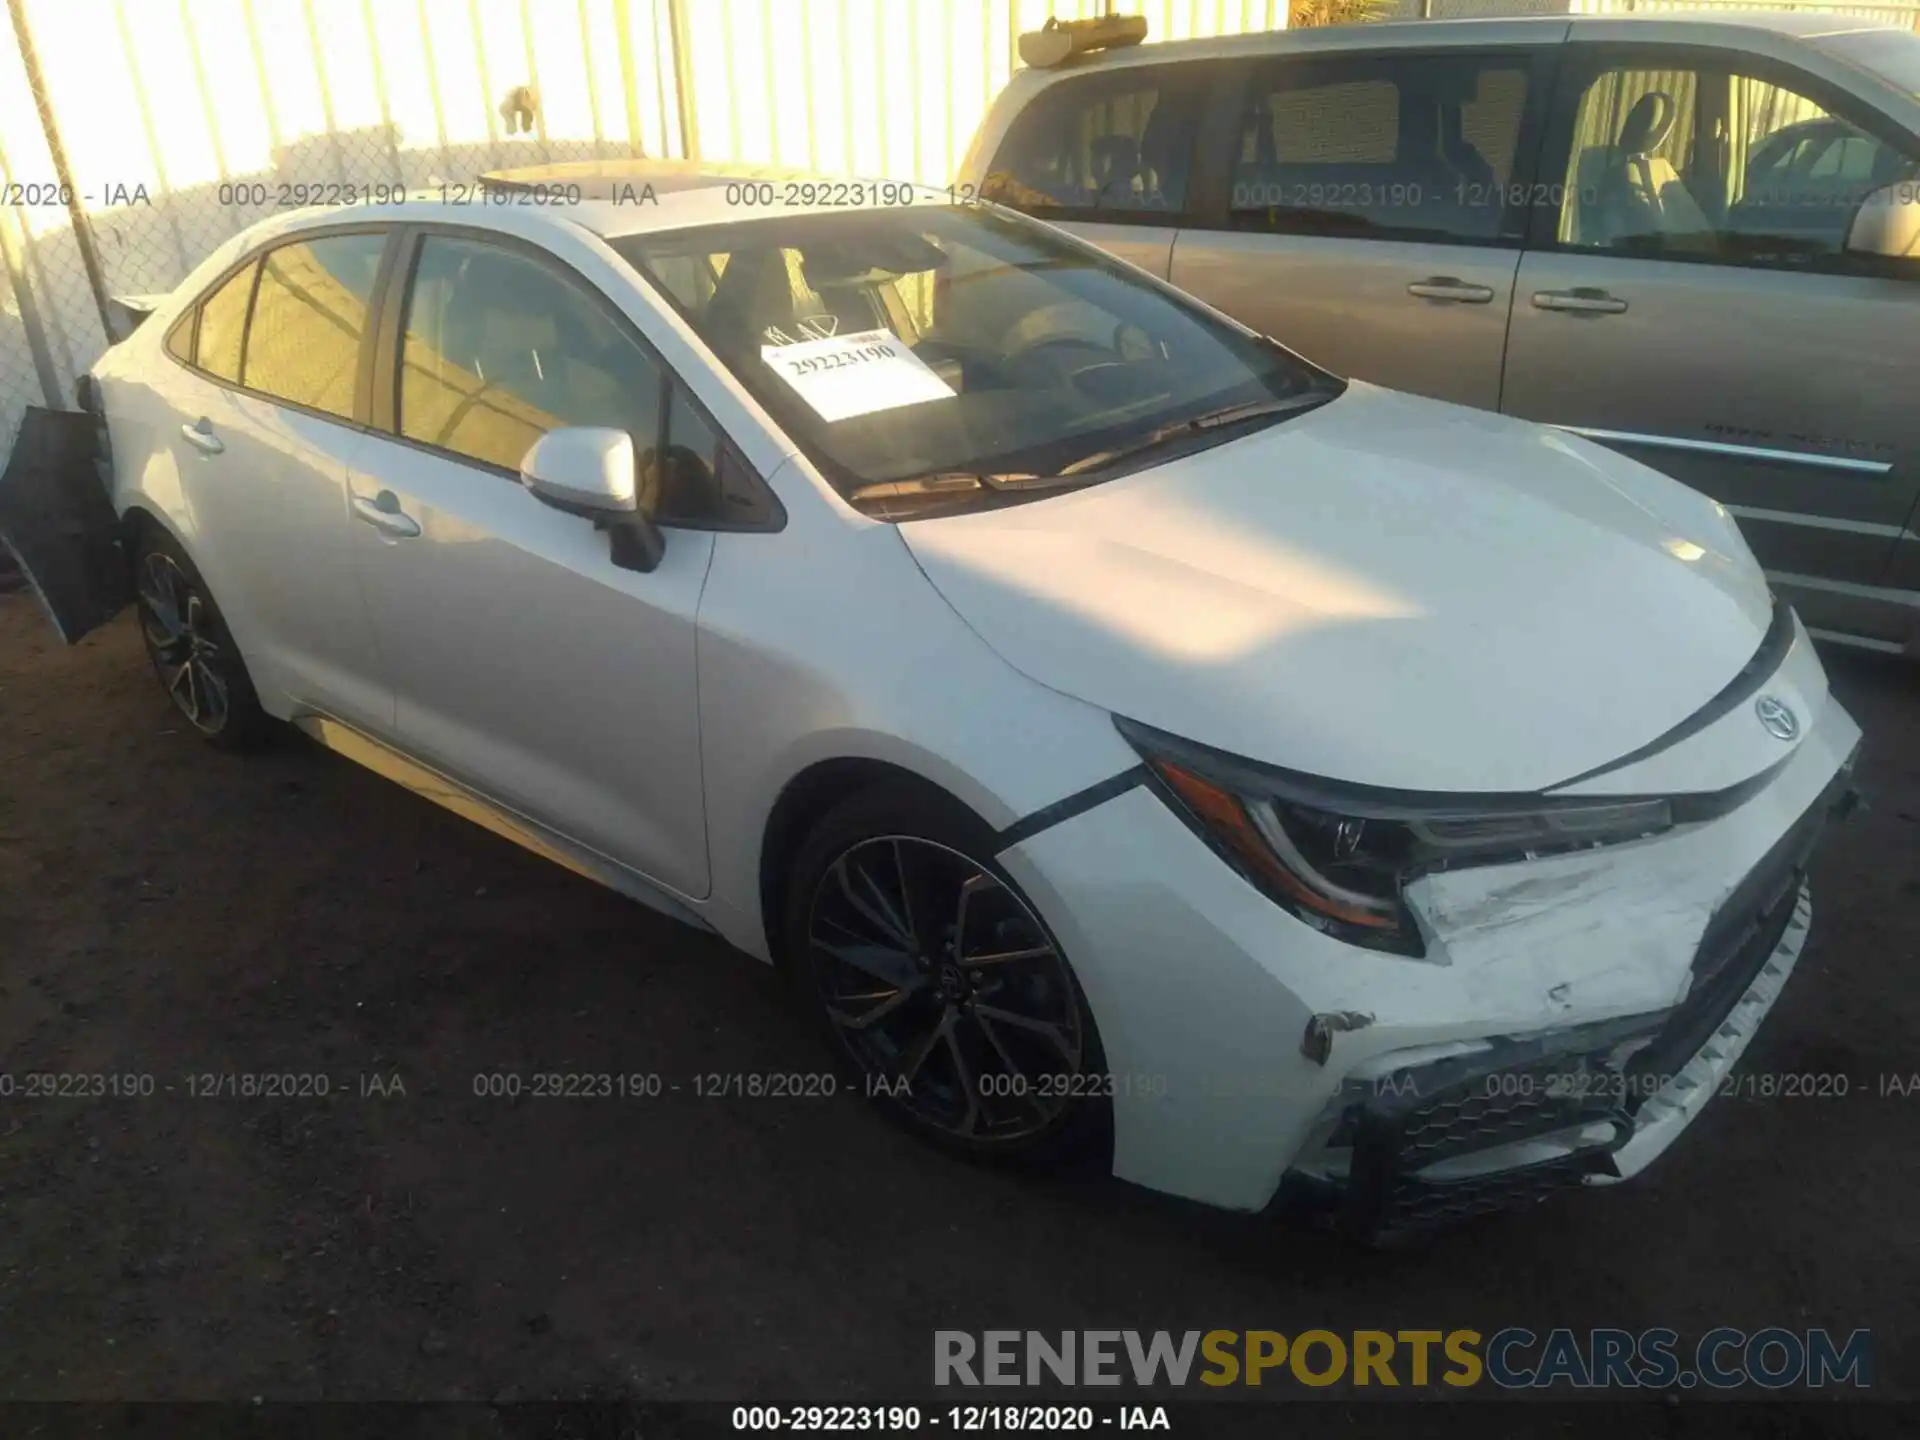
x: 180, y: 632
x: 944, y: 987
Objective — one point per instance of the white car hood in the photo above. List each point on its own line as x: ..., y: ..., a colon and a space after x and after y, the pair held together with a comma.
x: 1387, y: 590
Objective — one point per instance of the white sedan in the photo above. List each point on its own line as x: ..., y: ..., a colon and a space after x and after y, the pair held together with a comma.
x: 1131, y: 737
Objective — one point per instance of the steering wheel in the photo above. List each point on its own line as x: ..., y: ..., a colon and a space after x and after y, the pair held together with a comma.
x: 1062, y: 346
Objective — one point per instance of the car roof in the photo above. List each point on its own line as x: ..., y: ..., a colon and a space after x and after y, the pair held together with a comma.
x: 615, y: 198
x: 1463, y: 32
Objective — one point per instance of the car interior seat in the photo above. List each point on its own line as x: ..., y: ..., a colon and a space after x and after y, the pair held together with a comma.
x: 1114, y: 163
x: 1628, y: 190
x: 1461, y: 154
x: 752, y: 304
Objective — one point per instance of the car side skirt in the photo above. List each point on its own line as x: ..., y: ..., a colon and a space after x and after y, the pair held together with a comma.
x: 392, y: 764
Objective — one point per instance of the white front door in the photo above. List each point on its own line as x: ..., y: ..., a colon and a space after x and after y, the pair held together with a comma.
x: 526, y: 663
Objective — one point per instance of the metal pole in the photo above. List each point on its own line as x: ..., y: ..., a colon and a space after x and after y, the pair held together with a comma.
x: 724, y: 8
x: 487, y: 100
x: 380, y: 90
x: 533, y: 79
x: 433, y: 90
x: 593, y: 90
x: 260, y: 74
x: 182, y: 262
x: 683, y: 79
x: 326, y: 93
x: 207, y: 110
x: 659, y: 81
x: 76, y: 207
x: 807, y: 32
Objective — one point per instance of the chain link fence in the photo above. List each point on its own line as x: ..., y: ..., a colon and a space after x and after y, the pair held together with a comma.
x: 138, y: 135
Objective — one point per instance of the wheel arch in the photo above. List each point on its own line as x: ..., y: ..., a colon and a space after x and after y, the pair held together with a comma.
x: 803, y: 800
x: 141, y: 517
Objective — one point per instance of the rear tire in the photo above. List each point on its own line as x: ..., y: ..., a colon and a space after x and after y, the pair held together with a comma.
x: 191, y: 649
x: 938, y: 986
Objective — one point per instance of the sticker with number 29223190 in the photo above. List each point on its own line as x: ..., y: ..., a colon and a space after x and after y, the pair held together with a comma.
x: 846, y: 375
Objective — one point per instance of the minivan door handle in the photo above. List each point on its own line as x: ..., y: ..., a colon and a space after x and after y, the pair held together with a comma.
x: 200, y: 435
x: 384, y: 514
x: 1582, y: 301
x: 1448, y: 287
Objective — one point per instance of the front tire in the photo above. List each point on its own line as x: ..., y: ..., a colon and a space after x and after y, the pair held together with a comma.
x: 191, y: 649
x: 937, y: 984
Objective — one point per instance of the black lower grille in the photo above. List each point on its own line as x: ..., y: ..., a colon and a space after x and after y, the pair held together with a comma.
x: 1743, y: 934
x: 1415, y: 1119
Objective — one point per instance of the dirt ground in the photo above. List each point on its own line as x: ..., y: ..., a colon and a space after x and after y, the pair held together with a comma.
x: 171, y: 912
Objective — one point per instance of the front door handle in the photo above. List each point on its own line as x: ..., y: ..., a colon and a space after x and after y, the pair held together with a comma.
x: 200, y: 435
x: 384, y: 514
x: 1583, y: 301
x: 1448, y: 287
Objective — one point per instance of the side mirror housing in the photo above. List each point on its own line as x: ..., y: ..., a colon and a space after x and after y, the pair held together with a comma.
x: 584, y: 470
x: 1888, y: 223
x: 590, y: 470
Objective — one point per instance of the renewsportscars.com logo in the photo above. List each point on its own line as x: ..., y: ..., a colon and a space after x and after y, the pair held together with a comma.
x: 1515, y: 1358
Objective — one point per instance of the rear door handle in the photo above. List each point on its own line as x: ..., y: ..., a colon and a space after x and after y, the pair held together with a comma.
x: 200, y: 435
x: 384, y: 514
x: 1448, y: 287
x: 1582, y: 301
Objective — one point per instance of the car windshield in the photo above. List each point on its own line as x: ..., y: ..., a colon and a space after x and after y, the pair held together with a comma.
x: 932, y: 358
x: 1893, y: 55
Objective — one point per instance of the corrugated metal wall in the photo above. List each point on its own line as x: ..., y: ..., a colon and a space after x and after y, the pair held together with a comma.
x: 187, y: 120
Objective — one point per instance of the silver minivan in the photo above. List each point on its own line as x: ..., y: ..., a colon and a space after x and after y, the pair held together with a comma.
x: 1696, y: 239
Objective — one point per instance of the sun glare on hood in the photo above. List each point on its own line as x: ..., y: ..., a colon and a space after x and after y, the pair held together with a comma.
x: 1253, y: 591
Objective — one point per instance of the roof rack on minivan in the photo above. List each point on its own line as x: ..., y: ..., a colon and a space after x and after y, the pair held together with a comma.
x: 1059, y: 41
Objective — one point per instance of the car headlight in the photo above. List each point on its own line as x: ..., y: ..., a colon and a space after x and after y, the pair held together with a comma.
x: 1340, y: 856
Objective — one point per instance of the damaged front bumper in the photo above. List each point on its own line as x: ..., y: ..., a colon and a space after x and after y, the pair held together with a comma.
x: 1414, y: 1143
x: 1570, y: 1016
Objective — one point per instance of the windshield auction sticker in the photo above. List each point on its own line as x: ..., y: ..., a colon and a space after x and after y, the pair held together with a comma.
x: 847, y: 375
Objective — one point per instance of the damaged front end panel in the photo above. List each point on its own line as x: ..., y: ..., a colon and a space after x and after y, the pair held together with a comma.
x: 1420, y: 1141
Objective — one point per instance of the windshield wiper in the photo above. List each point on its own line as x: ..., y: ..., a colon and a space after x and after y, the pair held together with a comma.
x: 940, y: 483
x: 1199, y: 424
x: 940, y: 486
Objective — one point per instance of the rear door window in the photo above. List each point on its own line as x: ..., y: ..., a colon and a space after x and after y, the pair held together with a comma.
x: 1390, y: 147
x: 223, y: 325
x: 1111, y: 145
x: 309, y: 316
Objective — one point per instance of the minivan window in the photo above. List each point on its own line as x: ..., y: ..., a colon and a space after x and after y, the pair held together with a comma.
x: 938, y: 357
x: 1706, y: 164
x: 223, y: 325
x: 309, y: 314
x: 1119, y: 142
x: 1407, y: 146
x: 501, y: 348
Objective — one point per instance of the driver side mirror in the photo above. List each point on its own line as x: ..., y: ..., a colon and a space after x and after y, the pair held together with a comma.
x: 1888, y: 223
x: 590, y: 470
